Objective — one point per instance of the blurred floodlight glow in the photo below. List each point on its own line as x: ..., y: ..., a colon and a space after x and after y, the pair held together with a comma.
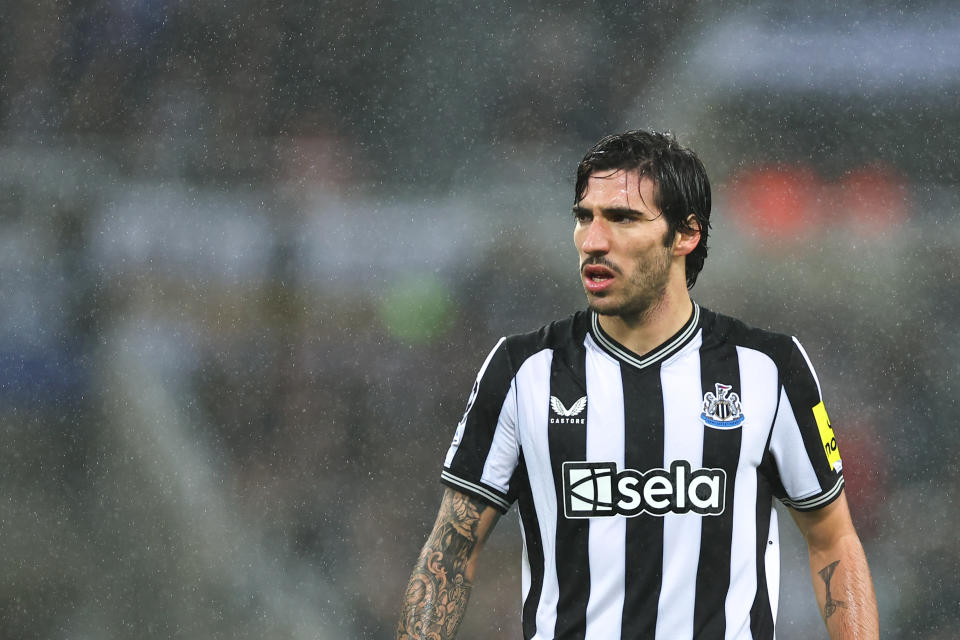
x: 343, y: 244
x: 152, y: 227
x: 793, y: 201
x: 915, y: 50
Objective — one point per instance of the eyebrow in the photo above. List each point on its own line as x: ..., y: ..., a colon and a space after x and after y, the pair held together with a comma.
x: 623, y: 211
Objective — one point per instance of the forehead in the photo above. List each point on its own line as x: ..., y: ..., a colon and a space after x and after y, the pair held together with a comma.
x: 618, y: 188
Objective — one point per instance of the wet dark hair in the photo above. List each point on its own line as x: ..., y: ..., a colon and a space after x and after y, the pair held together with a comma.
x: 681, y: 186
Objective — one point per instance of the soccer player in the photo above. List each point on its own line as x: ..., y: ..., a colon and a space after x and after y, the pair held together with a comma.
x: 644, y: 440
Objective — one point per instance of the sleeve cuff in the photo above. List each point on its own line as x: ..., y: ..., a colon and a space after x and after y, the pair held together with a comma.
x: 817, y: 501
x: 490, y: 496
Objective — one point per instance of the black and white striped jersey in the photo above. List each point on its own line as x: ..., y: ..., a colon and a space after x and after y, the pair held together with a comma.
x: 645, y: 484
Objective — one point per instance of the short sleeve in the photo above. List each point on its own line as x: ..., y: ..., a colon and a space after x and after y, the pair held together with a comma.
x: 484, y: 453
x: 803, y: 443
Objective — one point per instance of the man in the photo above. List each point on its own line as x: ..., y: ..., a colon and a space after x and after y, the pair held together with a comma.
x: 644, y: 441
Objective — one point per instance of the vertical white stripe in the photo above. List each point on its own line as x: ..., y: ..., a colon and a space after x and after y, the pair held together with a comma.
x: 525, y: 578
x: 504, y: 451
x: 607, y: 541
x: 683, y: 440
x: 758, y: 396
x: 743, y: 555
x: 796, y: 471
x: 771, y: 562
x: 533, y: 400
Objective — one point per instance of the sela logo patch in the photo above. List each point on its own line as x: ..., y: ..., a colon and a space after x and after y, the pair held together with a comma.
x: 721, y: 410
x: 562, y: 415
x: 596, y: 490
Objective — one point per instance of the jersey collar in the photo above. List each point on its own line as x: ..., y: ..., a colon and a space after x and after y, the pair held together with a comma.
x: 664, y: 351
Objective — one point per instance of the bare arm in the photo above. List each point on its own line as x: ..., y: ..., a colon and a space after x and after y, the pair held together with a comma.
x: 437, y: 593
x: 841, y: 577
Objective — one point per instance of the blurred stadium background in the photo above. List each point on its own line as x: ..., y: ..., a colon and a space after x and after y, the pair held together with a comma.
x: 254, y: 253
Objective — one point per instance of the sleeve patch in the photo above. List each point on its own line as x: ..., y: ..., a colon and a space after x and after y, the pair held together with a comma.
x: 827, y: 437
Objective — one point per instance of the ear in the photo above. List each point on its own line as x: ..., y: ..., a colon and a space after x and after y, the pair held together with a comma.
x: 686, y: 241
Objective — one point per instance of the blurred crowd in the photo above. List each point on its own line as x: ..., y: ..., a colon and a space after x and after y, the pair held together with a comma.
x: 253, y: 257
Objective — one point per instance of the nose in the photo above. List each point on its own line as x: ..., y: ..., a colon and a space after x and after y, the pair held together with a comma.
x: 596, y: 240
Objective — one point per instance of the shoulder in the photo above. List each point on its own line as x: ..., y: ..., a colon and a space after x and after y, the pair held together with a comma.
x: 560, y: 335
x: 720, y: 329
x: 510, y: 353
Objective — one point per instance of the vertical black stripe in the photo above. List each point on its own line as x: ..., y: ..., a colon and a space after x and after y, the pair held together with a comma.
x: 803, y: 394
x: 483, y: 412
x: 761, y: 614
x: 534, y: 547
x: 568, y: 442
x: 721, y: 450
x: 643, y: 436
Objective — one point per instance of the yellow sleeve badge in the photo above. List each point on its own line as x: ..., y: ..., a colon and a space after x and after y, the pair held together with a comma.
x: 827, y: 438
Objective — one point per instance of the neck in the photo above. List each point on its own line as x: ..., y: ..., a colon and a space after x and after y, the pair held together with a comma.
x: 648, y: 330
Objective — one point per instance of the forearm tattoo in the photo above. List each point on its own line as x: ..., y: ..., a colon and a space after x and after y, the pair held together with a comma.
x: 437, y: 593
x: 830, y: 605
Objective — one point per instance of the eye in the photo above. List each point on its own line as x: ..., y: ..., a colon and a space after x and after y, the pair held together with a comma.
x: 617, y: 217
x: 582, y: 215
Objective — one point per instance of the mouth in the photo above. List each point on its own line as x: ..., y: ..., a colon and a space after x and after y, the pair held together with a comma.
x: 597, y: 277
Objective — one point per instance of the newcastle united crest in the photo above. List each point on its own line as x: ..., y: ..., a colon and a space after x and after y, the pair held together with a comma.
x: 721, y: 410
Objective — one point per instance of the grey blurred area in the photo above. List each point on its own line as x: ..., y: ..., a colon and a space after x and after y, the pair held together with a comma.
x: 254, y: 253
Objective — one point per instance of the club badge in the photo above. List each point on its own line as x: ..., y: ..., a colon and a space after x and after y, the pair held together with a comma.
x: 721, y: 410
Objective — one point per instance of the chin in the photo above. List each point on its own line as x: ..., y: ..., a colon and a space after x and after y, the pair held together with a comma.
x: 604, y: 306
x: 632, y: 308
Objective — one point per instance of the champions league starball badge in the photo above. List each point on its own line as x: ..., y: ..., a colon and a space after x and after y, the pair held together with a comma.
x: 721, y: 410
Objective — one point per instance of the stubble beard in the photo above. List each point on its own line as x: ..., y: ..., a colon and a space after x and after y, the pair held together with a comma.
x: 647, y: 287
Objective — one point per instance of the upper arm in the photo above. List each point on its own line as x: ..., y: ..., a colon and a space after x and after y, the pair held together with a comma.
x: 824, y: 528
